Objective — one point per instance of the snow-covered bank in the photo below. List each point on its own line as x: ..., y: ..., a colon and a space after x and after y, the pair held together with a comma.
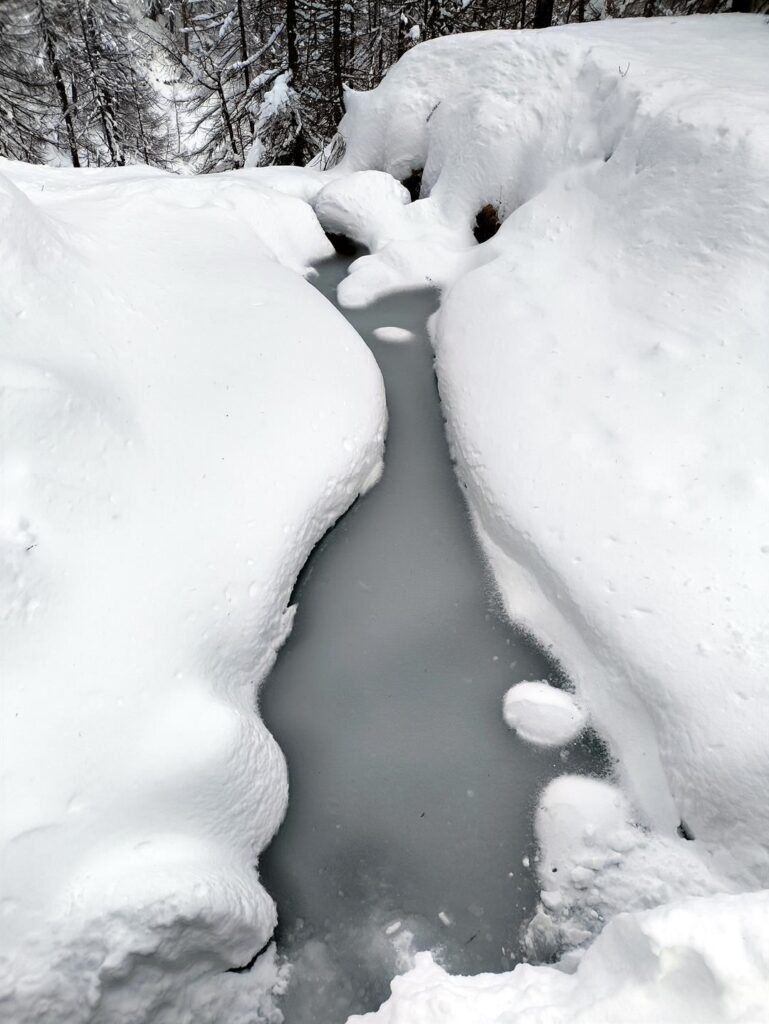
x: 704, y: 960
x: 183, y: 417
x: 603, y: 366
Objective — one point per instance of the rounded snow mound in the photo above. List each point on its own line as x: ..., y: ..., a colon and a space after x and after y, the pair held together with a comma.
x: 542, y: 714
x: 364, y: 206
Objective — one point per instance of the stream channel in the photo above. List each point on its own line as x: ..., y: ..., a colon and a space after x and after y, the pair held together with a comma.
x: 411, y: 804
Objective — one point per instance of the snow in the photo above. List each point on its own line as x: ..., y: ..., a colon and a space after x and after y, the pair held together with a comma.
x: 602, y: 365
x: 183, y: 418
x: 704, y: 960
x: 362, y: 205
x: 542, y: 714
x: 597, y: 862
x: 394, y: 335
x: 374, y: 209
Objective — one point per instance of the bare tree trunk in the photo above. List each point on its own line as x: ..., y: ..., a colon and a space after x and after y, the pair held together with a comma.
x: 293, y: 53
x: 543, y: 14
x: 336, y: 47
x: 185, y: 27
x: 106, y: 113
x: 297, y: 154
x: 58, y: 81
x: 228, y: 122
x: 142, y: 135
x: 244, y: 57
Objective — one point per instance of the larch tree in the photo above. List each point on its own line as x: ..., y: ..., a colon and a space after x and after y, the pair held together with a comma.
x: 25, y: 95
x: 242, y: 82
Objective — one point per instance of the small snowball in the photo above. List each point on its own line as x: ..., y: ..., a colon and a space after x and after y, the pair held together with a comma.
x: 542, y: 714
x: 395, y: 335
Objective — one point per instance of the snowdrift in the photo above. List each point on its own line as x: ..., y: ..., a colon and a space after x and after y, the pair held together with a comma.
x: 183, y: 417
x: 701, y: 960
x: 603, y: 366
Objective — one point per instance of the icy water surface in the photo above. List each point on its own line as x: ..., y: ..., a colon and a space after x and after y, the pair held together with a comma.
x: 410, y: 810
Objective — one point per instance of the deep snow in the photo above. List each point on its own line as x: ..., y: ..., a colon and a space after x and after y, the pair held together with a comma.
x: 602, y: 363
x: 603, y: 367
x: 183, y: 418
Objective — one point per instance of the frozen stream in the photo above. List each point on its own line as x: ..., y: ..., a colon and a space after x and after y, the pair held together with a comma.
x: 411, y: 803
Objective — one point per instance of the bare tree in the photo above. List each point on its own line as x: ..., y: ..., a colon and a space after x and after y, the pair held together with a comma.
x: 244, y: 81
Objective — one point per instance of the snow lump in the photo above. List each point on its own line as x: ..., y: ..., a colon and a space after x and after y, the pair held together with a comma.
x: 542, y: 714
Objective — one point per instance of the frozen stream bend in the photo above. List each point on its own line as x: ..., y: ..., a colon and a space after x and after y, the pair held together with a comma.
x: 411, y: 803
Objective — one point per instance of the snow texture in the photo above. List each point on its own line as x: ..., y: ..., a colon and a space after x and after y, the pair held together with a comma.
x: 603, y: 368
x: 183, y: 418
x: 703, y: 960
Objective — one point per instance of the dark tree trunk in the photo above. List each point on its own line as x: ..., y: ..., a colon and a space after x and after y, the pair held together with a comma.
x: 244, y: 57
x: 543, y: 14
x: 293, y: 53
x: 336, y: 46
x: 58, y: 81
x: 142, y: 136
x: 228, y: 123
x: 104, y: 100
x: 185, y: 27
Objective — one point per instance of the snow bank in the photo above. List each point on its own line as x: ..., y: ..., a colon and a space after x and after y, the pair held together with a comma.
x: 704, y: 960
x: 183, y: 417
x: 603, y: 366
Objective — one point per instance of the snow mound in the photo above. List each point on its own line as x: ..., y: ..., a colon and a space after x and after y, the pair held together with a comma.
x: 602, y: 364
x: 362, y: 206
x: 704, y: 960
x: 596, y: 861
x: 183, y: 418
x: 542, y: 714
